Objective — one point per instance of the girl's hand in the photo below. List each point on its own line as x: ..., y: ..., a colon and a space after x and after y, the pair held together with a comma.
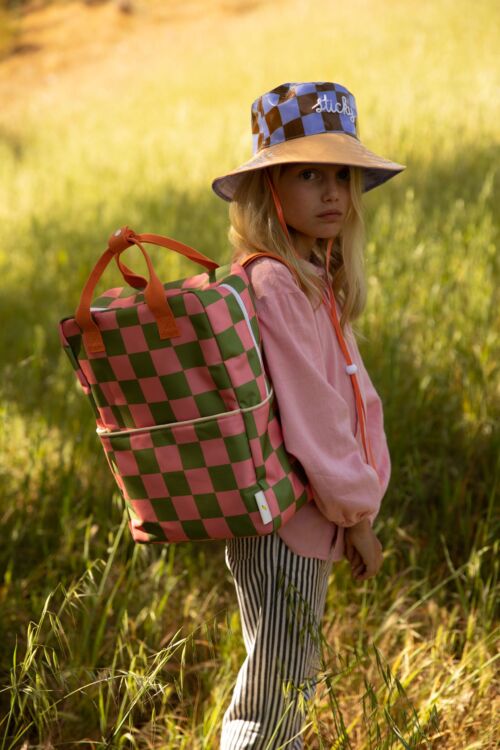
x: 363, y: 550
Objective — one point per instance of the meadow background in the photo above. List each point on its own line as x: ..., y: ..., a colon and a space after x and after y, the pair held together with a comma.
x: 109, y: 118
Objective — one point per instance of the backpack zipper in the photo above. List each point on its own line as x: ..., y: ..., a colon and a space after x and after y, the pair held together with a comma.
x: 196, y: 420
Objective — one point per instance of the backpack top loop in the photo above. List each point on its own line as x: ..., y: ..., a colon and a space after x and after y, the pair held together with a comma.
x: 121, y: 239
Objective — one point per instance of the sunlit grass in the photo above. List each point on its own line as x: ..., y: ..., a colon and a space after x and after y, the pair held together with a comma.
x: 108, y: 644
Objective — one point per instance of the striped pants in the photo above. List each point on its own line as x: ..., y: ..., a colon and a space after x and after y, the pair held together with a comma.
x: 281, y: 597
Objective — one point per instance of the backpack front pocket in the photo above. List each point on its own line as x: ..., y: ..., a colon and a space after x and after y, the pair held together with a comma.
x: 191, y: 480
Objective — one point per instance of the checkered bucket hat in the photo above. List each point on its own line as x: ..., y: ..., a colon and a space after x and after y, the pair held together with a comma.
x: 185, y: 410
x: 307, y: 122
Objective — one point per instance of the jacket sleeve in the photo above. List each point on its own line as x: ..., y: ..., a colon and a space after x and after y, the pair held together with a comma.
x: 315, y: 418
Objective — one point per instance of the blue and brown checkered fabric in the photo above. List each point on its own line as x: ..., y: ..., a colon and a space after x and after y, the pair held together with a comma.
x: 293, y: 110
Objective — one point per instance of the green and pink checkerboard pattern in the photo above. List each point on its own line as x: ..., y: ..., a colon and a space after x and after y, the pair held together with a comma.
x: 189, y: 425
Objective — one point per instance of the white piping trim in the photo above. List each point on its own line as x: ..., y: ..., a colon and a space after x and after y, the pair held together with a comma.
x: 247, y: 319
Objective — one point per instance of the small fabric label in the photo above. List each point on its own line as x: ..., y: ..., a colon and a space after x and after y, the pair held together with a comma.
x: 263, y: 507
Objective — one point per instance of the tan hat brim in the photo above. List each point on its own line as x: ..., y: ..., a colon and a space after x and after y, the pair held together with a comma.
x: 322, y: 148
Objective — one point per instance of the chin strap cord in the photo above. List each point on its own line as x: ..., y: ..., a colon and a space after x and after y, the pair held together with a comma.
x: 329, y: 301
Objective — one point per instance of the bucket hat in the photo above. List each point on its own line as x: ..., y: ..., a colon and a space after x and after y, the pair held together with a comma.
x: 307, y: 122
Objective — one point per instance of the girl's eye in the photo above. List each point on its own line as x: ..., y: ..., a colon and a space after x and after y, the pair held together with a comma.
x: 342, y: 174
x: 306, y: 172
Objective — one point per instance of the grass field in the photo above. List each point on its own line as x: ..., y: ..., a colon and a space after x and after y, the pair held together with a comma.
x: 107, y: 644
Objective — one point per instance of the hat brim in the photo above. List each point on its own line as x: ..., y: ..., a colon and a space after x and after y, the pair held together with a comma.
x: 321, y: 148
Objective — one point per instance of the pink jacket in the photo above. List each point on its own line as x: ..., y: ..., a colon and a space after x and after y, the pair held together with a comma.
x: 317, y: 411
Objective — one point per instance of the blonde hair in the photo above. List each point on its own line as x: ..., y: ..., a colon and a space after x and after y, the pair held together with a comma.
x: 255, y: 227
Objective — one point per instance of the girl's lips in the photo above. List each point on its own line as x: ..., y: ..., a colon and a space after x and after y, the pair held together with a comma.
x: 330, y: 215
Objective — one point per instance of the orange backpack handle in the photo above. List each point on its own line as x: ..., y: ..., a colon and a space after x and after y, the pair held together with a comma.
x: 132, y: 279
x: 154, y: 292
x: 139, y: 282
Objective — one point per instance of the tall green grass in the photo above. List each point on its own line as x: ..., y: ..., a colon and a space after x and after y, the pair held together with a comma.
x: 108, y: 644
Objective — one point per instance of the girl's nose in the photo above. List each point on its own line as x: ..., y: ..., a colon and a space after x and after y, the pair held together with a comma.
x: 331, y: 187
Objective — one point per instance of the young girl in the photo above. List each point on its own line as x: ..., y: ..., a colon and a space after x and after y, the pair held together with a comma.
x: 299, y: 197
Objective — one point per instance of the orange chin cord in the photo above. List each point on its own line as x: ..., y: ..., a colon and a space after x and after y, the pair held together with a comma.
x: 329, y: 301
x: 351, y: 368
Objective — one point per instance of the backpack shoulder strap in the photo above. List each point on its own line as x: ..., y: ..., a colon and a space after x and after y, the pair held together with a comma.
x: 253, y: 256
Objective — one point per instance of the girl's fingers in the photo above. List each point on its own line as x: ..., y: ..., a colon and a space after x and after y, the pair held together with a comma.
x: 357, y: 560
x: 358, y: 566
x: 348, y: 549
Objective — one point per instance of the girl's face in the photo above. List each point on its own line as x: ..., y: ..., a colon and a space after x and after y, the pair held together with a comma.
x: 307, y: 191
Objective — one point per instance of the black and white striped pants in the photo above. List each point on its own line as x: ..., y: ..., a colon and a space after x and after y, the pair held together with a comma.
x: 281, y: 596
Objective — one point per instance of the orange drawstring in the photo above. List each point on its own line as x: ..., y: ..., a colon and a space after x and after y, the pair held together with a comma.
x: 329, y: 301
x: 351, y: 368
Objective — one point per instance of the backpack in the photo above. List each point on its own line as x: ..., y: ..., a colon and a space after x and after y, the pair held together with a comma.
x: 185, y: 411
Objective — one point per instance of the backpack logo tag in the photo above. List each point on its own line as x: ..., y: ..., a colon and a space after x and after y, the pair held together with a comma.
x: 263, y: 507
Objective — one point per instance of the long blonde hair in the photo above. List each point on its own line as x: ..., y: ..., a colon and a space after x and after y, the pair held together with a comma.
x: 255, y: 227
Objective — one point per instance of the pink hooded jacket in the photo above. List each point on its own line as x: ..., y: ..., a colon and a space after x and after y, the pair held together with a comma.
x: 317, y: 412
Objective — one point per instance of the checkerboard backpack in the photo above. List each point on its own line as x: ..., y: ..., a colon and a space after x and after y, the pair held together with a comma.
x: 185, y: 410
